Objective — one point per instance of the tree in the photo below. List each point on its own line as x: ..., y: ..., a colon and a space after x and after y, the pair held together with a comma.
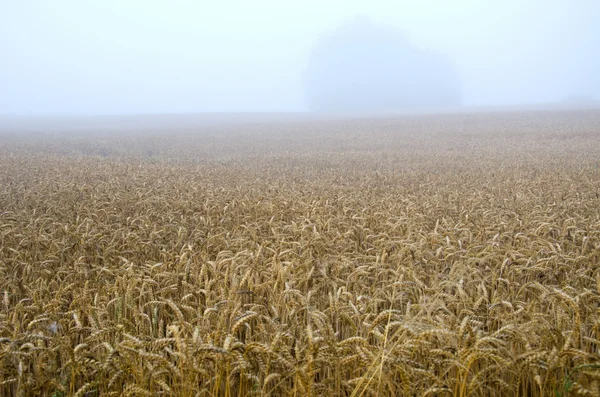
x: 365, y: 67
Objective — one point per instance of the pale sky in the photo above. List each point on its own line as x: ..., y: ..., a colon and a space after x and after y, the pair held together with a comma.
x: 150, y: 56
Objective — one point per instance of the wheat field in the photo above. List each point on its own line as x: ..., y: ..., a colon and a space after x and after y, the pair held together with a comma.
x: 402, y: 256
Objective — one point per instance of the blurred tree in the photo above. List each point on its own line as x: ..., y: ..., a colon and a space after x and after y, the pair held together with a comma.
x: 369, y: 68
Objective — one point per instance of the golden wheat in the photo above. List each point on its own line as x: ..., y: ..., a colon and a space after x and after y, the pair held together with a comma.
x: 446, y: 255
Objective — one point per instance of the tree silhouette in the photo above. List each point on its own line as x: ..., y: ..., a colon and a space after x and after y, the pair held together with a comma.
x: 366, y: 67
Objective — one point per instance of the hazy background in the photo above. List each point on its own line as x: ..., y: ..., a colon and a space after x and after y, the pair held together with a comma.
x: 148, y: 56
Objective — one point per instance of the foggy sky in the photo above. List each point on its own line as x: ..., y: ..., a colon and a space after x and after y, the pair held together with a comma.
x: 148, y: 56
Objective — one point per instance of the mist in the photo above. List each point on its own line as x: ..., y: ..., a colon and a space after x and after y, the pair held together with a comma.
x: 86, y: 57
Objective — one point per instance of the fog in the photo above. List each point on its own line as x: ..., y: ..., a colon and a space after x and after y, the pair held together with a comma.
x: 85, y: 57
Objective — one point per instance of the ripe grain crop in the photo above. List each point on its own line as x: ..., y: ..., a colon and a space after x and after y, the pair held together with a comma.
x: 431, y: 255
